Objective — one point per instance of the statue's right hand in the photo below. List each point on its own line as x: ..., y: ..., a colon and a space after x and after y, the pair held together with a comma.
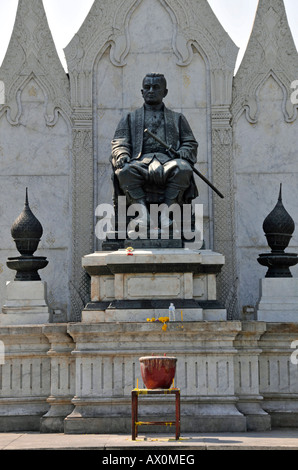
x: 121, y: 161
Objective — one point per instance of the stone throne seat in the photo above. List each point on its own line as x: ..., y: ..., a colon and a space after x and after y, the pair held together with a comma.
x: 154, y: 195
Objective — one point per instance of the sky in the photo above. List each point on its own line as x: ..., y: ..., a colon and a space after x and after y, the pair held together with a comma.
x: 66, y: 16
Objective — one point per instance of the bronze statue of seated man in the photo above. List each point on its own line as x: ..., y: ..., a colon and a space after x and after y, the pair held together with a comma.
x: 140, y: 161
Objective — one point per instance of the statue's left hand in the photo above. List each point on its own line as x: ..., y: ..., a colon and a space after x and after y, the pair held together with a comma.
x: 122, y: 160
x: 183, y: 154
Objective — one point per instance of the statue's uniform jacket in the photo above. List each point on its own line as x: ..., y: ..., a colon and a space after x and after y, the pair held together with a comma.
x: 129, y: 140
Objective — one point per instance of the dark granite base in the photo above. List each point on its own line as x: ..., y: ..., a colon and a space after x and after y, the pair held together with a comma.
x: 153, y: 304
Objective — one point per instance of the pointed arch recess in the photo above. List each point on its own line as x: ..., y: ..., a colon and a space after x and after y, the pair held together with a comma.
x: 106, y: 26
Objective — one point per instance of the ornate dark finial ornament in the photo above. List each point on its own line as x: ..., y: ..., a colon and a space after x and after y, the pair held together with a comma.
x: 279, y: 228
x: 27, y: 232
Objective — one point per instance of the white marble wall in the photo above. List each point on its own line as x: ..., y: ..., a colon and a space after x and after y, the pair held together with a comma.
x: 35, y: 148
x: 265, y: 156
x: 118, y: 43
x: 38, y: 157
x: 118, y: 91
x: 264, y: 141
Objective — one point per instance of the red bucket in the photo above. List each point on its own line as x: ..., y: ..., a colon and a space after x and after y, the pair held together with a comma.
x: 158, y: 371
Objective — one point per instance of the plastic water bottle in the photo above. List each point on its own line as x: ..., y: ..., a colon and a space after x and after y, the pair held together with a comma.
x: 172, y: 312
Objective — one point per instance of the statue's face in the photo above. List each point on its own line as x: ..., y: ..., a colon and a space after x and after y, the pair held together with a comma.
x: 154, y: 90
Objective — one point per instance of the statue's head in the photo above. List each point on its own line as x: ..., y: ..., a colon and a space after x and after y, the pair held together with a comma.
x: 154, y: 88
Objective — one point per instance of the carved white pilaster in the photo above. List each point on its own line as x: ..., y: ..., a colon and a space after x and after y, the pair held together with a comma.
x: 223, y: 209
x: 83, y: 207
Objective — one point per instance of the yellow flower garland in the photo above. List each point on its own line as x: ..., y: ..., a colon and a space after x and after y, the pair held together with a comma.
x: 163, y: 320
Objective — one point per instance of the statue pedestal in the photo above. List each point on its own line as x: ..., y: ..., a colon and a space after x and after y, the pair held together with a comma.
x: 129, y: 288
x: 26, y: 303
x: 279, y: 300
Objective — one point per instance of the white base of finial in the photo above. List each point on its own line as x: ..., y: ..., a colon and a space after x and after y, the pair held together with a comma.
x: 279, y: 300
x: 26, y: 303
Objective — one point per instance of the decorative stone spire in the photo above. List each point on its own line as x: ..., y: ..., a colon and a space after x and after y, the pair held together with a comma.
x: 278, y: 227
x: 32, y: 53
x: 271, y: 51
x: 31, y: 46
x: 26, y: 232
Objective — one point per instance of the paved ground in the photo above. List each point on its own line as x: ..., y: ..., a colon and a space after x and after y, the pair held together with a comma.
x: 286, y: 439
